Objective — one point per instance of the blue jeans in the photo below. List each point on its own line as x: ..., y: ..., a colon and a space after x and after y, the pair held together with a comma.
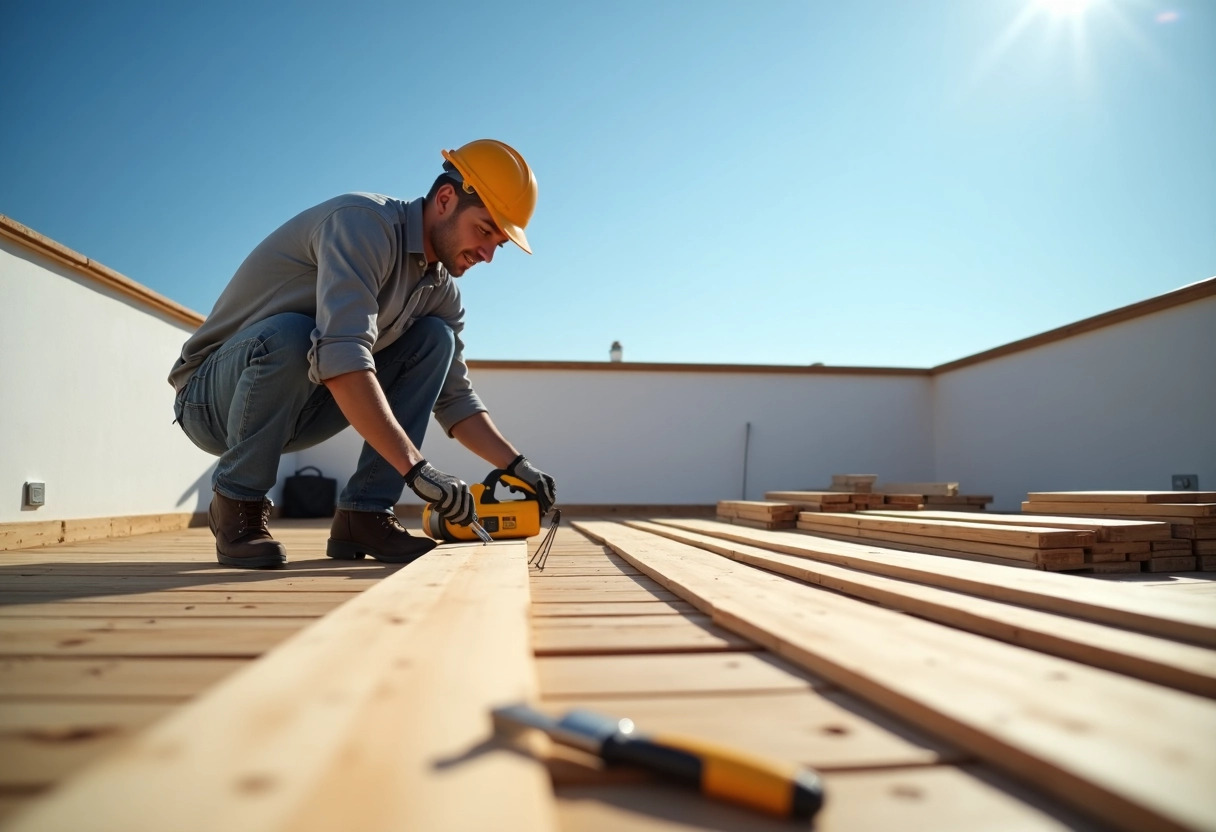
x: 251, y: 401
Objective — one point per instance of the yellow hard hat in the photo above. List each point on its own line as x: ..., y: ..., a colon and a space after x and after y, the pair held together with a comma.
x: 499, y: 175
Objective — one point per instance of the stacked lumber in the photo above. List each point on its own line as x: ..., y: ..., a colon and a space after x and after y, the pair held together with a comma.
x: 859, y: 488
x: 1191, y: 516
x: 933, y: 496
x: 758, y: 514
x: 1120, y: 545
x: 1028, y: 546
x: 815, y: 500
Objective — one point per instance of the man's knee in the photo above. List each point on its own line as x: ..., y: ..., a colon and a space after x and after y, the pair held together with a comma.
x: 434, y: 332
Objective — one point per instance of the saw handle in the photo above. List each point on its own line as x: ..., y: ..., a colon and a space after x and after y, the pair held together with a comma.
x: 498, y: 475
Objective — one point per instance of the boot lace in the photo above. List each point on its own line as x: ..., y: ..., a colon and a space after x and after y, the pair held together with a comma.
x: 255, y: 514
x: 392, y: 523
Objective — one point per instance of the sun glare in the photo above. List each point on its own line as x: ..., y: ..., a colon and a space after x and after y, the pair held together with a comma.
x: 1078, y: 20
x: 1065, y: 8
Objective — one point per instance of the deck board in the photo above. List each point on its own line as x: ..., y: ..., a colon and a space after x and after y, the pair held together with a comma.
x: 164, y: 592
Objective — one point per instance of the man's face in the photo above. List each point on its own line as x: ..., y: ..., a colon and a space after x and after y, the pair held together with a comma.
x: 462, y: 239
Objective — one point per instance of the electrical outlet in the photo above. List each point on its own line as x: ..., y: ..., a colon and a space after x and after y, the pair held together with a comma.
x: 1185, y: 482
x: 35, y: 494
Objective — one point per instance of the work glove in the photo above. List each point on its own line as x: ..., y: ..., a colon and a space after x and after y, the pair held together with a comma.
x: 537, y: 480
x: 449, y: 495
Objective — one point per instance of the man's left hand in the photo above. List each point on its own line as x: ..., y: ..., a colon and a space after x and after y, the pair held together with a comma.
x: 537, y: 480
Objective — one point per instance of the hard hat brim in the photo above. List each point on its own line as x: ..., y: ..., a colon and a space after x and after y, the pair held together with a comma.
x: 514, y: 233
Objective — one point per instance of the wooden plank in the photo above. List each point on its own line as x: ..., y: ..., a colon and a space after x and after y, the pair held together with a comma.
x: 285, y: 608
x: 1154, y: 659
x: 1170, y: 510
x: 545, y: 594
x: 1038, y: 537
x: 944, y: 489
x: 759, y: 524
x: 24, y: 535
x: 318, y: 735
x: 184, y: 597
x: 1106, y: 603
x: 568, y: 608
x: 812, y: 497
x: 215, y: 637
x: 599, y: 635
x: 1065, y: 557
x: 84, y: 586
x: 40, y: 742
x: 1074, y: 731
x: 1107, y: 530
x: 566, y: 677
x: 825, y: 729
x: 958, y: 500
x: 125, y: 679
x: 551, y: 571
x: 1122, y: 496
x: 920, y: 548
x: 925, y: 799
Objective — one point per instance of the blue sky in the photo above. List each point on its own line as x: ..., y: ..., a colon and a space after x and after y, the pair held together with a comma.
x: 877, y: 182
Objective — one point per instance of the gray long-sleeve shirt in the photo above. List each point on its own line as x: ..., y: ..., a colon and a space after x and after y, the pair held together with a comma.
x: 355, y: 263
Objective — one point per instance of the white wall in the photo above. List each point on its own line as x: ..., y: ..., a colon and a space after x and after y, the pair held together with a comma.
x: 87, y: 410
x: 1122, y: 407
x: 85, y: 404
x: 675, y: 438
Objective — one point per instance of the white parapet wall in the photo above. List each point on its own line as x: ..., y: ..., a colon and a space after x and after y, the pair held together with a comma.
x: 1122, y: 400
x: 676, y: 437
x: 1122, y: 406
x: 86, y: 407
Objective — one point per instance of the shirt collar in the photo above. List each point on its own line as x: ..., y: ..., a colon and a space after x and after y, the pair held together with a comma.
x: 413, y: 227
x: 414, y: 241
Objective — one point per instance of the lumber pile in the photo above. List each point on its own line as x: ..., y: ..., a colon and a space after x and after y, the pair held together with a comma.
x: 816, y: 500
x: 847, y: 493
x: 758, y: 514
x: 1028, y: 546
x: 932, y: 496
x: 861, y: 492
x: 1119, y: 545
x: 1190, y: 517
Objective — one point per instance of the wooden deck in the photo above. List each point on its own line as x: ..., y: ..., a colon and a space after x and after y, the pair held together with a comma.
x: 100, y: 640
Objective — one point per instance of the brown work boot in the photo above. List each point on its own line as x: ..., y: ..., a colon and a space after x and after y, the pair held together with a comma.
x: 376, y: 533
x: 241, y: 537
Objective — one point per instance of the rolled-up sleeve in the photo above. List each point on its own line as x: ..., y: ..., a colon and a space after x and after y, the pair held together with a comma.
x: 355, y: 250
x: 457, y: 400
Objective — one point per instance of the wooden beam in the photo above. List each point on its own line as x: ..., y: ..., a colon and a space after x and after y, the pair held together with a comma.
x: 1155, y: 659
x: 1029, y: 535
x: 1106, y: 603
x: 1170, y: 510
x: 1122, y: 496
x: 1073, y: 731
x: 1107, y: 530
x: 375, y: 717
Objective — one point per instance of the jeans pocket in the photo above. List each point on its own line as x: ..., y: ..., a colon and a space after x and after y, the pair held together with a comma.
x: 194, y: 417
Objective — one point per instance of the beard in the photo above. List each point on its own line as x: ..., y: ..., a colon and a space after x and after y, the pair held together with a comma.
x: 446, y: 246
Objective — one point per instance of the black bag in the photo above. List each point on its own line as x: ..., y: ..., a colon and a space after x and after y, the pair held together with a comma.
x: 309, y: 496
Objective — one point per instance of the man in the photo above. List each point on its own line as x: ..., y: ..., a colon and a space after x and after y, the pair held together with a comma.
x: 349, y: 314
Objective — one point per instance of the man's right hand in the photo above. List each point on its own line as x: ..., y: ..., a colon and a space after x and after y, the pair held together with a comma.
x: 450, y: 495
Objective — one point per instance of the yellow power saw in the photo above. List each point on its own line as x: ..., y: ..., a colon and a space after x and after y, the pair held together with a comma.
x: 510, y: 519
